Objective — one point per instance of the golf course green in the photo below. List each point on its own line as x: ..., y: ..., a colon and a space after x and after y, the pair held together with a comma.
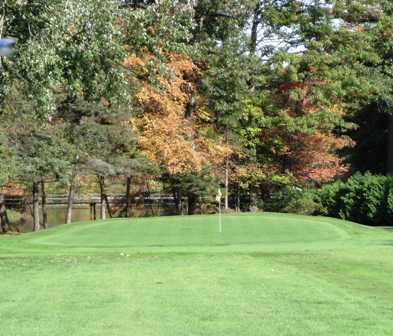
x: 265, y: 274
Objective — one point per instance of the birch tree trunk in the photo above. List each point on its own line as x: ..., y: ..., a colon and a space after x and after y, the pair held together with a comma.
x: 73, y: 177
x: 36, y: 209
x: 253, y: 189
x: 253, y: 198
x: 1, y: 30
x: 5, y: 224
x: 72, y: 189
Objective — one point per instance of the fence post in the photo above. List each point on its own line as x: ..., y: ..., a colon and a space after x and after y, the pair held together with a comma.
x: 94, y: 209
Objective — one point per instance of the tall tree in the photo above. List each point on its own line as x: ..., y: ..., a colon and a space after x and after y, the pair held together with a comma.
x: 346, y: 55
x: 40, y: 152
x: 9, y: 168
x: 170, y: 133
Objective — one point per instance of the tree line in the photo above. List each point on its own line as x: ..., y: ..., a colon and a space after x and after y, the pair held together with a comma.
x: 249, y: 95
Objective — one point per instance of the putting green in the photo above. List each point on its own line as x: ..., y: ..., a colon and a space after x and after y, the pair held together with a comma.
x: 195, y: 230
x: 244, y: 231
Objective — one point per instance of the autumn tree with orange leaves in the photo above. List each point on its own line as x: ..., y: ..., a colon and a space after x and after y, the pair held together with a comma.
x: 169, y: 130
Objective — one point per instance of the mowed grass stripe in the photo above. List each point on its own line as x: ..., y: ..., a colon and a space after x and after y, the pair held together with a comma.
x: 179, y: 294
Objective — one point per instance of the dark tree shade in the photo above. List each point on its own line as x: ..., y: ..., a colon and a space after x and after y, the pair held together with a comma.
x: 370, y: 152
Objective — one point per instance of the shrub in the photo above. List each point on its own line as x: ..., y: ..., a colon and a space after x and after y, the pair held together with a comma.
x: 293, y: 200
x: 304, y: 205
x: 365, y: 199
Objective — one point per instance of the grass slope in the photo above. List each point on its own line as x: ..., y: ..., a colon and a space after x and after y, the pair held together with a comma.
x: 266, y: 274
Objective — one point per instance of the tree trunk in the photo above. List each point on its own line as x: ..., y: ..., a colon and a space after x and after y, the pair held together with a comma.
x: 128, y: 187
x: 226, y: 207
x: 36, y: 207
x: 254, y: 29
x: 101, y: 179
x: 191, y: 105
x: 1, y: 30
x: 103, y: 207
x: 5, y: 224
x: 253, y: 189
x: 44, y: 213
x: 176, y: 200
x: 265, y: 192
x: 128, y: 196
x: 192, y: 202
x: 108, y: 206
x: 238, y: 198
x: 390, y: 144
x: 151, y: 204
x: 93, y: 211
x: 253, y: 198
x: 72, y: 188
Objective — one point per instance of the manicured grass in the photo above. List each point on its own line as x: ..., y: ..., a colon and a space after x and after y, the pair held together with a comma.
x: 266, y: 274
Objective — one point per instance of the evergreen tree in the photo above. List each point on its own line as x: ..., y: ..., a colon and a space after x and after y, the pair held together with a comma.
x: 40, y: 152
x: 109, y: 151
x: 195, y: 185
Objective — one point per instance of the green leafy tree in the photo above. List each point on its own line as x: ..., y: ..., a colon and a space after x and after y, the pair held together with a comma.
x: 346, y: 59
x: 109, y: 151
x: 8, y: 167
x: 40, y: 153
x: 195, y: 185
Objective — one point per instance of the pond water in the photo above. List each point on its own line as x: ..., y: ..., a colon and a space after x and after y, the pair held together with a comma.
x: 56, y: 217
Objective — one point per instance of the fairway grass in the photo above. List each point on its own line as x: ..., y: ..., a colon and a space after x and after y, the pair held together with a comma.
x: 266, y: 274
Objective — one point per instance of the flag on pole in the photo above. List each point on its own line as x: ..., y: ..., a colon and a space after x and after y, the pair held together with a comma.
x: 218, y: 198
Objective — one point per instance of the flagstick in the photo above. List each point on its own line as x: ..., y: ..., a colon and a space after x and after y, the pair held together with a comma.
x: 219, y: 212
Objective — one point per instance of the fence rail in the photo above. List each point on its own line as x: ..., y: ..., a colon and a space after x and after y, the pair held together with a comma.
x: 14, y: 200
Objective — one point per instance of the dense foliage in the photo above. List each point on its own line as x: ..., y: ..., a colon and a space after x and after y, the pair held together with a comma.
x: 365, y: 199
x: 263, y: 98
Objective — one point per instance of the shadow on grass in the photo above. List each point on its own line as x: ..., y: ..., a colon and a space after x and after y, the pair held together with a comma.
x: 385, y: 242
